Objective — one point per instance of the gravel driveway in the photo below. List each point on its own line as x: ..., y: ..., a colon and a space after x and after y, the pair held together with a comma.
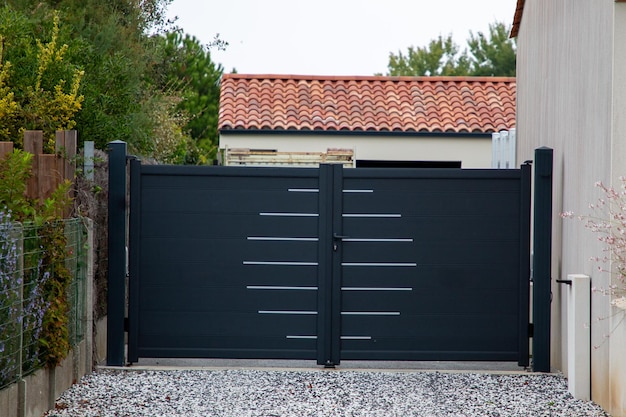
x: 319, y: 393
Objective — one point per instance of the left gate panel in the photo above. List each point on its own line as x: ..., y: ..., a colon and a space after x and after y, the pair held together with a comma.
x: 224, y: 262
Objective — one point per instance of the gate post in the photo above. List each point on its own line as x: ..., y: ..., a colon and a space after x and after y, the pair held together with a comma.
x: 117, y: 253
x: 542, y: 259
x: 329, y: 286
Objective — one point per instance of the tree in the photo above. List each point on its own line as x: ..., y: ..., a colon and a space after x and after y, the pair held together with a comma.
x: 492, y: 55
x: 187, y: 68
x: 440, y: 57
x: 132, y: 79
x: 105, y: 39
x: 38, y: 84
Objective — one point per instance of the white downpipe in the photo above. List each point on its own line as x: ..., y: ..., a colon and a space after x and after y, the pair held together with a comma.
x: 511, y: 158
x: 495, y: 150
x: 579, y: 336
x: 503, y: 149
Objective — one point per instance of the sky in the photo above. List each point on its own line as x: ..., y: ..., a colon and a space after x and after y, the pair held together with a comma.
x: 329, y: 37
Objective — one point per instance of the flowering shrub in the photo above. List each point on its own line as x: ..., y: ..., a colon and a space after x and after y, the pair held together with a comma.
x: 34, y: 303
x: 10, y: 288
x: 23, y: 301
x: 608, y: 220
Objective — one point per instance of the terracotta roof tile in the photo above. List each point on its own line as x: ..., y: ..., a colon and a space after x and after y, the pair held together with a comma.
x: 382, y: 104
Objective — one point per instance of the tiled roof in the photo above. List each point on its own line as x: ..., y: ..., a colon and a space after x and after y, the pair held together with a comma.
x: 517, y: 18
x: 378, y: 104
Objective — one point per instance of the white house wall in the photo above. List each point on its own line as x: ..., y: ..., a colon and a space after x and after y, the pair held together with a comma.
x: 617, y: 366
x: 566, y: 100
x: 473, y: 152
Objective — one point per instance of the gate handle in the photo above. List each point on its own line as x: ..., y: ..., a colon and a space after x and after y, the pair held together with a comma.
x: 339, y: 237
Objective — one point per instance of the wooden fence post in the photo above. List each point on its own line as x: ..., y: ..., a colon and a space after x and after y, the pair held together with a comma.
x: 33, y: 143
x: 50, y: 170
x: 5, y: 149
x: 66, y: 143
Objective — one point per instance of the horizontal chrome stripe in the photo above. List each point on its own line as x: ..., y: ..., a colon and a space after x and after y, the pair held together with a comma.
x: 356, y: 337
x: 287, y: 312
x: 280, y: 263
x: 272, y: 287
x: 358, y: 239
x: 286, y: 239
x: 290, y: 214
x: 301, y: 337
x: 304, y: 190
x: 370, y: 313
x: 376, y: 289
x: 371, y: 215
x: 358, y: 191
x: 384, y: 264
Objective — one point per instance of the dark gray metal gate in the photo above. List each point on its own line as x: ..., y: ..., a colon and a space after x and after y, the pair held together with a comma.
x: 329, y: 263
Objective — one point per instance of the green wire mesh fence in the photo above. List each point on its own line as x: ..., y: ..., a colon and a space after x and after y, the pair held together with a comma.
x: 23, y: 277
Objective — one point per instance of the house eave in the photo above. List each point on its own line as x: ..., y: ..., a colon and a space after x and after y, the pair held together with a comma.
x: 517, y: 18
x: 474, y: 135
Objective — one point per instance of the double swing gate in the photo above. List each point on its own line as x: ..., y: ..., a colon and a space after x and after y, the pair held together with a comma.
x: 328, y: 263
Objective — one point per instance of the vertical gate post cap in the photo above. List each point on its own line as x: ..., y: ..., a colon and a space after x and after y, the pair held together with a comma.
x: 543, y: 161
x: 116, y: 144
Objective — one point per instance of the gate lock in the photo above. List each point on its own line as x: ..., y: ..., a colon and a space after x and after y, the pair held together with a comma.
x: 337, y: 237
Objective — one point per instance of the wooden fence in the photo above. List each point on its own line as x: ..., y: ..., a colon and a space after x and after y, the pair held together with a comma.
x: 48, y: 170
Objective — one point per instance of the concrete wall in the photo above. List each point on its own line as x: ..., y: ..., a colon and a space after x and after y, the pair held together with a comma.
x: 567, y: 99
x: 474, y: 152
x: 36, y: 393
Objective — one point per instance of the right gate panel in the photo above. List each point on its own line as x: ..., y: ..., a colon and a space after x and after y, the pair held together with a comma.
x: 434, y: 265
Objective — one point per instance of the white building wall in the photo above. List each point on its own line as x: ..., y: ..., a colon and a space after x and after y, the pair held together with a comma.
x: 565, y: 100
x: 617, y: 341
x: 474, y: 152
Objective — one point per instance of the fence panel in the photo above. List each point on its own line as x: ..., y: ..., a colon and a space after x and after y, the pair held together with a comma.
x: 23, y: 276
x: 49, y: 170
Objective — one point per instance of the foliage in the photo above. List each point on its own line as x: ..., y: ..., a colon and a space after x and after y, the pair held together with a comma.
x: 9, y: 300
x: 109, y: 69
x: 47, y: 278
x: 51, y: 104
x: 39, y: 87
x: 8, y: 106
x: 609, y: 222
x: 440, y: 57
x: 54, y: 338
x: 492, y: 55
x: 187, y: 68
x: 169, y: 142
x: 15, y: 169
x: 22, y: 301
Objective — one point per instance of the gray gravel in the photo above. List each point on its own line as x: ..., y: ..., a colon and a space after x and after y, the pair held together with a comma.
x: 319, y: 393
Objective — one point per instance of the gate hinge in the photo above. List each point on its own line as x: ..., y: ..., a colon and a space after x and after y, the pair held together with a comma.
x: 531, y: 330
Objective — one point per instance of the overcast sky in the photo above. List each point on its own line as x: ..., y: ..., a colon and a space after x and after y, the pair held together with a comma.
x: 330, y: 37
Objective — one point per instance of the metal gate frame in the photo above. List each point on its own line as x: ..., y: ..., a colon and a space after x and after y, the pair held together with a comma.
x: 330, y: 234
x: 329, y: 350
